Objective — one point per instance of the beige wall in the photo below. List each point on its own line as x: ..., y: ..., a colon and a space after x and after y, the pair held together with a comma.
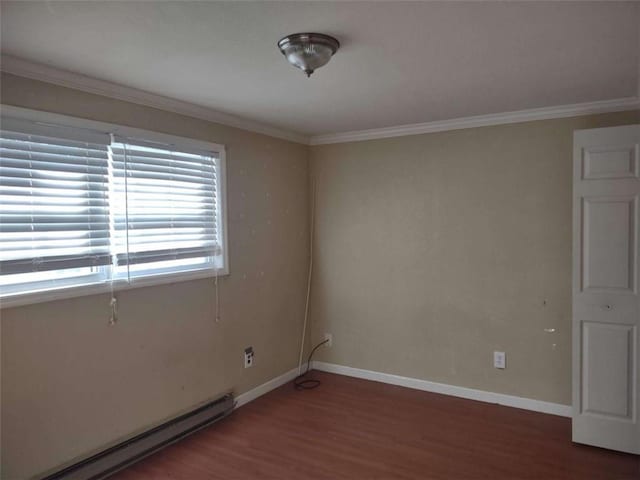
x: 72, y: 384
x: 434, y: 250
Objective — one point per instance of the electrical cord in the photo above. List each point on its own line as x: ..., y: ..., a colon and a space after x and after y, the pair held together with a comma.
x: 309, y: 383
x: 306, y: 305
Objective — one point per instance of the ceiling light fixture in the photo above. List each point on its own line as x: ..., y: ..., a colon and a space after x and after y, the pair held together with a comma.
x: 308, y: 51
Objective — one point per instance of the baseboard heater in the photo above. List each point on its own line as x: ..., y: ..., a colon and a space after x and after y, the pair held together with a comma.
x: 130, y: 451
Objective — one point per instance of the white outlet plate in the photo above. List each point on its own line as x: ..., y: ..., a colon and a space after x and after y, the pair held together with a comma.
x: 500, y: 360
x: 328, y: 336
x: 248, y: 358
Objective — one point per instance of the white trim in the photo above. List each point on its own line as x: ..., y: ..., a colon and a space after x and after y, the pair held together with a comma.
x: 64, y: 78
x: 222, y: 196
x: 545, y: 113
x: 638, y: 50
x: 30, y: 298
x: 11, y: 111
x: 444, y: 389
x: 266, y: 387
x: 36, y: 71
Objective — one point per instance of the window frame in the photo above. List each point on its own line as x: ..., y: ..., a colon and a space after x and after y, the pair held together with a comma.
x: 117, y: 284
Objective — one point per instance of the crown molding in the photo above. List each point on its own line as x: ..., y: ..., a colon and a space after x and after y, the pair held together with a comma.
x: 546, y: 113
x: 45, y: 73
x: 36, y: 71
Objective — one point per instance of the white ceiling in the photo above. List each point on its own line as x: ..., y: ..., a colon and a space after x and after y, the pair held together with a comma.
x: 400, y: 62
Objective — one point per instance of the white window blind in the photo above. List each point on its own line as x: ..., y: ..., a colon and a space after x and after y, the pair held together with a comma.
x: 83, y: 207
x: 165, y: 203
x: 53, y: 198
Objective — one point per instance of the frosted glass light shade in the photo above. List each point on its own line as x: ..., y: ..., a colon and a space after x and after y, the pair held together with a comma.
x: 308, y: 51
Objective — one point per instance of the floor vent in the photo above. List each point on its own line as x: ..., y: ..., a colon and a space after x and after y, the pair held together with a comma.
x: 130, y: 451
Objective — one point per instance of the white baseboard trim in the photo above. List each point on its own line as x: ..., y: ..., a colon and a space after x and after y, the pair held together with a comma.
x: 266, y: 387
x: 442, y: 388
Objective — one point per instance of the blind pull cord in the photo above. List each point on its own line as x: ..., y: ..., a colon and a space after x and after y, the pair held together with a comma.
x: 217, y: 318
x: 113, y: 304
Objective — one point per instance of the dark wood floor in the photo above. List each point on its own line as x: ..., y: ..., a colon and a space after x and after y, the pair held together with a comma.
x: 356, y: 429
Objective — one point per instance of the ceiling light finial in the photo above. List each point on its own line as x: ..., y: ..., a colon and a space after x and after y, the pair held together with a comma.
x: 308, y: 51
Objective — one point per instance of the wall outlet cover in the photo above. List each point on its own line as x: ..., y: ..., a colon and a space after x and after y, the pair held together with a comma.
x: 248, y: 357
x: 500, y: 360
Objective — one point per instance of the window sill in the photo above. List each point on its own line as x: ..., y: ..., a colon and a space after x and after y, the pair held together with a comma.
x: 22, y: 299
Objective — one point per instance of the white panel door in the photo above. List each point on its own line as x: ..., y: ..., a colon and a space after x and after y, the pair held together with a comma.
x: 606, y: 304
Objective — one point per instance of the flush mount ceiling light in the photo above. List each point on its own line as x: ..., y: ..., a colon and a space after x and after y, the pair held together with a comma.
x: 308, y: 51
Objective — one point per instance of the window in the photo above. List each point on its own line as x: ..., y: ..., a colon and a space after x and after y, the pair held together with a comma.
x: 80, y: 207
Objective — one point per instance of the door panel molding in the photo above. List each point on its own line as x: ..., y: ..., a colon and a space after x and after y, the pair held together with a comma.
x: 598, y: 268
x: 606, y: 346
x: 610, y: 162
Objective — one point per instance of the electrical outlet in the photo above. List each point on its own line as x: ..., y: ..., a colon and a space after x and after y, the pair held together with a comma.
x: 248, y: 357
x: 328, y: 336
x: 499, y: 360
